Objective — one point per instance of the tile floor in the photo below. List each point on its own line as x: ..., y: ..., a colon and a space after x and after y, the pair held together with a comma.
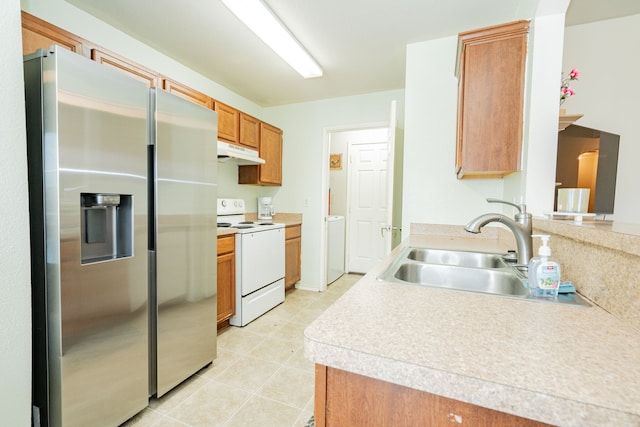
x: 260, y: 377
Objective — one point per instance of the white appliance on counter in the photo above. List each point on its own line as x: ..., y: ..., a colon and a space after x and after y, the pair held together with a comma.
x: 259, y: 261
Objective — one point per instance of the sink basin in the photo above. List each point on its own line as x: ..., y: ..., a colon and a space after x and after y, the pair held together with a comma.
x: 469, y: 271
x: 459, y: 258
x: 489, y: 281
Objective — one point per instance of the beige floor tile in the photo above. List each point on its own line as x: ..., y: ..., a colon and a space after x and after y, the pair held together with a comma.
x: 298, y: 361
x: 289, y: 385
x: 303, y: 419
x: 309, y: 315
x: 276, y: 350
x: 179, y: 394
x: 223, y: 360
x: 248, y: 373
x: 238, y: 340
x: 146, y: 418
x: 264, y: 325
x: 290, y: 331
x: 211, y: 405
x: 261, y: 412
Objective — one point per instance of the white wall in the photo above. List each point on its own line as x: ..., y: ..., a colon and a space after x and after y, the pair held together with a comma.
x: 432, y: 194
x: 15, y: 288
x: 304, y: 125
x: 607, y: 94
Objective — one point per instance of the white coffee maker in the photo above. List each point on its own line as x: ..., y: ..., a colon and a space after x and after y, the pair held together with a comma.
x: 265, y: 208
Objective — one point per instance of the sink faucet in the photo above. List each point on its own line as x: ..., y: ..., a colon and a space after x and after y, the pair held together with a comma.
x: 520, y: 227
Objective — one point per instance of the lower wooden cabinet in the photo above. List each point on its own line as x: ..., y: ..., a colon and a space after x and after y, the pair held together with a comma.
x: 347, y: 399
x: 226, y: 279
x: 292, y: 253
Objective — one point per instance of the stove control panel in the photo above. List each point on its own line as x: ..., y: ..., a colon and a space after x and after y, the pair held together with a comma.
x: 230, y: 206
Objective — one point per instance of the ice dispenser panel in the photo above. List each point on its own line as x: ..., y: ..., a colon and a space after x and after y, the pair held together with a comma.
x: 106, y: 226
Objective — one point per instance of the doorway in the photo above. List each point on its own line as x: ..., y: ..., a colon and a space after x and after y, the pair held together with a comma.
x: 358, y: 190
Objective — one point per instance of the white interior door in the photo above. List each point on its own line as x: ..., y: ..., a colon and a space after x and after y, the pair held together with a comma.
x: 368, y: 205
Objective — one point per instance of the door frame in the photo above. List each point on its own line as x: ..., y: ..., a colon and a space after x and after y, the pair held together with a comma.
x: 324, y: 205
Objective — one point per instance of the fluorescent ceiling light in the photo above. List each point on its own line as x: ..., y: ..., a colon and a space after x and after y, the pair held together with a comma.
x: 262, y: 21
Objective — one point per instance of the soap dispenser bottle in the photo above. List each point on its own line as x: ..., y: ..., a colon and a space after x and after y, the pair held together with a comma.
x: 544, y: 271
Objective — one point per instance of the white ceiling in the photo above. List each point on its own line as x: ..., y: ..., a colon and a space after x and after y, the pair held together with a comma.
x: 359, y: 43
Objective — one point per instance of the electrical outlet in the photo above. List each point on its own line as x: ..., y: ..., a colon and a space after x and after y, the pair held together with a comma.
x: 306, y: 202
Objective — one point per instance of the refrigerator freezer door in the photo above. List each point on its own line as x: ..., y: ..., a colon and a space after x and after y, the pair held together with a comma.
x: 92, y: 318
x: 185, y: 245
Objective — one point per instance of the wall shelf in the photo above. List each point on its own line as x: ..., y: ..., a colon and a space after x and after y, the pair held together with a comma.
x: 567, y: 120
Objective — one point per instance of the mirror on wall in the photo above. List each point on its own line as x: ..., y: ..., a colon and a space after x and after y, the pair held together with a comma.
x: 588, y: 159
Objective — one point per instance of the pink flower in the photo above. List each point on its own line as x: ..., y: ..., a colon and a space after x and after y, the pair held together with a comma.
x: 565, y: 90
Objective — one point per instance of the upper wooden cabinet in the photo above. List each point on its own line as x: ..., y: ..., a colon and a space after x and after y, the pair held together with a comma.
x: 228, y: 119
x: 151, y: 78
x: 249, y: 131
x: 186, y: 93
x: 491, y: 71
x: 270, y: 149
x: 37, y: 34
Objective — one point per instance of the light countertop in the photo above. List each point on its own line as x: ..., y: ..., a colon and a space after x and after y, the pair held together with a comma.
x: 225, y: 231
x: 555, y: 363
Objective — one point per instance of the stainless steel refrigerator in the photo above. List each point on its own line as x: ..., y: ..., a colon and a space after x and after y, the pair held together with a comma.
x: 183, y: 243
x: 92, y: 214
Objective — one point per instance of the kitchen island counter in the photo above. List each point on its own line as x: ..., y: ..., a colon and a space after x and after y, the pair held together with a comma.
x: 554, y: 363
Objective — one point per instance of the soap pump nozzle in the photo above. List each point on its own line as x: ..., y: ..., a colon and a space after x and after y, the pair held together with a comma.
x: 544, y: 249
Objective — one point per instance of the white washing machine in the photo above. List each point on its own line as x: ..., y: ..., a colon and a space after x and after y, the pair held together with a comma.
x: 335, y: 248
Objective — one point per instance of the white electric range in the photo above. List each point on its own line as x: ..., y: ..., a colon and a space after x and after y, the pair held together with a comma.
x: 259, y: 261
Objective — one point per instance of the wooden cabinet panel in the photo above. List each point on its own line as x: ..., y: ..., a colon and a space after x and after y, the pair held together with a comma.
x: 226, y: 279
x: 136, y: 71
x: 347, y: 399
x: 37, y: 34
x: 491, y: 70
x: 249, y: 131
x: 186, y: 92
x: 270, y: 173
x: 228, y: 122
x: 292, y: 254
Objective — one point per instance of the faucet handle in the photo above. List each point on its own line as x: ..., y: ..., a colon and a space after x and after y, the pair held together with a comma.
x: 522, y: 208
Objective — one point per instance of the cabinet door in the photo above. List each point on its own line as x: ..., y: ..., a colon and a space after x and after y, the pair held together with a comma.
x: 186, y: 92
x: 271, y: 152
x: 346, y: 399
x: 37, y: 34
x: 270, y: 173
x: 226, y: 286
x: 491, y: 100
x: 227, y: 122
x: 249, y: 131
x: 134, y: 70
x: 293, y: 251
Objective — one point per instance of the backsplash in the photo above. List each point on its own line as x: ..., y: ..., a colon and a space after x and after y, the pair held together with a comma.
x: 602, y: 260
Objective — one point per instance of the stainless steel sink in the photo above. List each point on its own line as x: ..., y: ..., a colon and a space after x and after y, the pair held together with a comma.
x: 458, y: 258
x: 469, y: 271
x: 490, y: 281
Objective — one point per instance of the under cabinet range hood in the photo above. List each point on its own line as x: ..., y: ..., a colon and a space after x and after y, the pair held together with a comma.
x: 240, y: 155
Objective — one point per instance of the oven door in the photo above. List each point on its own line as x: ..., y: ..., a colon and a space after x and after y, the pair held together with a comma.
x: 261, y: 259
